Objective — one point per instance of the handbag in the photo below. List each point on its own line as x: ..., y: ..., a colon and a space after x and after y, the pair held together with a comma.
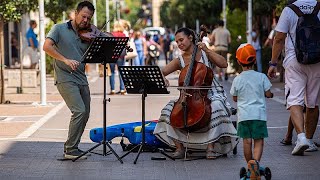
x: 133, y: 54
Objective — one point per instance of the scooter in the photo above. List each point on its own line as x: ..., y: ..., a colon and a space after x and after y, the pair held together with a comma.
x: 153, y: 55
x: 264, y: 171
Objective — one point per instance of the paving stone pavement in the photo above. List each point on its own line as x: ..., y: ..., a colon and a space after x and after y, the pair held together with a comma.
x: 34, y: 141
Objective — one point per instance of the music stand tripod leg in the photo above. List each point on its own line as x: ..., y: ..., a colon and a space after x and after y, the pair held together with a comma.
x: 86, y: 152
x: 140, y: 150
x: 142, y: 144
x: 143, y: 101
x: 165, y: 154
x: 130, y: 151
x: 143, y: 80
x: 117, y: 156
x: 104, y: 50
x: 104, y: 141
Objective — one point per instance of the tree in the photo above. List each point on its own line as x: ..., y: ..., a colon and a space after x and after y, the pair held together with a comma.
x: 55, y: 8
x: 206, y: 11
x: 11, y: 11
x: 129, y: 12
x: 209, y: 11
x: 237, y: 29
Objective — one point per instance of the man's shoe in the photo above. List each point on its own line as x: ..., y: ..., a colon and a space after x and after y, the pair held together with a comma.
x: 74, y: 154
x: 284, y: 142
x: 301, y: 146
x: 312, y: 147
x: 88, y: 154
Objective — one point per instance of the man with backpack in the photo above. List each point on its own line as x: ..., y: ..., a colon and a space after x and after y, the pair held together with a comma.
x: 298, y: 30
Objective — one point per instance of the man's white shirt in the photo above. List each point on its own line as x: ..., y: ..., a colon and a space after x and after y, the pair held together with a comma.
x: 288, y: 23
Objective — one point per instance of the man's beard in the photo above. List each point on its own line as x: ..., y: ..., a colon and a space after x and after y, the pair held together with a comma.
x: 81, y: 26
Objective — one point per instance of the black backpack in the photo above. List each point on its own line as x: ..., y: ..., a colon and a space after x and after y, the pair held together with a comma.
x: 307, y: 46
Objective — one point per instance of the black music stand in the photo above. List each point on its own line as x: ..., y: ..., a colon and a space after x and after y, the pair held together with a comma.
x: 104, y: 50
x: 143, y: 80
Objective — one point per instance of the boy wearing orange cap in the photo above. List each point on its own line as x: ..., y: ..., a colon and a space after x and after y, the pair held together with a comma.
x: 249, y: 90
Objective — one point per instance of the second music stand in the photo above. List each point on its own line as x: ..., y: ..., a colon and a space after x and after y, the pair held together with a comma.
x: 104, y: 50
x: 143, y: 80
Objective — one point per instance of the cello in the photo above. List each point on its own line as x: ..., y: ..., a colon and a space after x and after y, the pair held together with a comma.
x: 192, y: 111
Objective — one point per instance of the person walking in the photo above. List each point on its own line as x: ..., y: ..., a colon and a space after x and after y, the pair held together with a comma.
x: 64, y: 45
x: 221, y: 39
x: 297, y: 76
x: 32, y: 49
x: 167, y: 39
x: 256, y: 44
x: 249, y: 90
x: 140, y: 44
x: 118, y: 30
x: 148, y: 52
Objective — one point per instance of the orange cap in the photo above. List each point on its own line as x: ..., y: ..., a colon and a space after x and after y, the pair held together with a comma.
x: 244, y: 52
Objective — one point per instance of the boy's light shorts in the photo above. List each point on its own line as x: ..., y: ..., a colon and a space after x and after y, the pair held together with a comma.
x: 253, y: 129
x: 302, y: 84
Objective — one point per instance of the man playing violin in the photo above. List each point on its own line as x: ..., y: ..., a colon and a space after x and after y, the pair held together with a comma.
x: 219, y: 136
x: 65, y: 46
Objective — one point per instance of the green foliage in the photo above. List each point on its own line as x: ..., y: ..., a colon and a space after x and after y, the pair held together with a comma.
x: 263, y: 7
x: 206, y: 11
x: 281, y: 4
x: 54, y: 8
x: 131, y: 16
x: 237, y: 27
x: 12, y: 10
x: 134, y: 7
x: 101, y: 13
x: 260, y: 7
x: 174, y: 12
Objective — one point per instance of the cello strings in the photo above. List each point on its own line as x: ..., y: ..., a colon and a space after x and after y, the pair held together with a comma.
x: 193, y: 87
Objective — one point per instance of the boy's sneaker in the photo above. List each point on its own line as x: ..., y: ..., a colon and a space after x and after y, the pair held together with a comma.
x: 254, y: 170
x: 301, y: 146
x: 312, y: 147
x: 74, y: 154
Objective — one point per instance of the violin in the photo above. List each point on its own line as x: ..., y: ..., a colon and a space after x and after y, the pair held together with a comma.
x: 89, y: 33
x: 192, y: 111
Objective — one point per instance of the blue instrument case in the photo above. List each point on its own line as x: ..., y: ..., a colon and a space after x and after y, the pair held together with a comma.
x: 132, y: 131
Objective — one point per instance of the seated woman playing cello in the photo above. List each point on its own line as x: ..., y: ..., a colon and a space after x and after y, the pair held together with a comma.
x: 219, y: 135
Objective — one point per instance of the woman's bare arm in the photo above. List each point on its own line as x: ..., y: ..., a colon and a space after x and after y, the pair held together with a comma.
x: 215, y: 58
x: 171, y: 67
